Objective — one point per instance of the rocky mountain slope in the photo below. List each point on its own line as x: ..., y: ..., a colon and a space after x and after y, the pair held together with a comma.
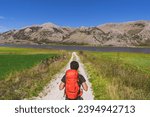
x: 113, y: 34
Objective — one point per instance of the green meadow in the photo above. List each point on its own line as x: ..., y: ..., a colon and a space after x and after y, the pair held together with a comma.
x: 12, y: 50
x: 24, y: 72
x: 17, y: 59
x: 9, y: 63
x: 118, y: 75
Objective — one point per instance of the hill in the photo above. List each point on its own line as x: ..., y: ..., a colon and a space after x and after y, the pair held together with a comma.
x: 126, y: 34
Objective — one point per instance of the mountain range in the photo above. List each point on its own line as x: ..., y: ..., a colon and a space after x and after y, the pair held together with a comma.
x: 136, y: 33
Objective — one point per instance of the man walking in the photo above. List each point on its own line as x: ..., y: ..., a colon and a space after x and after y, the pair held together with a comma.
x: 72, y: 82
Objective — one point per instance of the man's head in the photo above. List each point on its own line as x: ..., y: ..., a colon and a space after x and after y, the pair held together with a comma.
x: 74, y: 65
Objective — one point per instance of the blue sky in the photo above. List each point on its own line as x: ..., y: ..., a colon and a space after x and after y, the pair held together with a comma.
x: 16, y: 14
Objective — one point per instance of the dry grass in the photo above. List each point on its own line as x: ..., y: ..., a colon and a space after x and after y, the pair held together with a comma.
x: 123, y: 79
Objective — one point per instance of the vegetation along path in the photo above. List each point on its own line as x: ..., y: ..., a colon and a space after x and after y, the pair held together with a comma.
x: 52, y: 92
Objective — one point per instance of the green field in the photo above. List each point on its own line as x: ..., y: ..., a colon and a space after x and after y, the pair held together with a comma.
x: 139, y: 60
x: 118, y: 75
x: 114, y: 75
x: 15, y: 62
x: 17, y: 59
x: 24, y: 72
x: 12, y: 50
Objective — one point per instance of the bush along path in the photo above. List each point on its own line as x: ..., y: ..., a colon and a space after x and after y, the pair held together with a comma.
x: 52, y: 92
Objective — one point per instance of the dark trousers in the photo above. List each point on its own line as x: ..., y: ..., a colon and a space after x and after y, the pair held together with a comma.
x: 78, y: 98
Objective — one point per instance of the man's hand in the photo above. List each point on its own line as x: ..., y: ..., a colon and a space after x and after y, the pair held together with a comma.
x: 61, y: 86
x: 85, y: 87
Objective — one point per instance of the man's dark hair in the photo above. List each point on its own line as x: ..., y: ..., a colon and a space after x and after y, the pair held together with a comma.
x: 74, y: 65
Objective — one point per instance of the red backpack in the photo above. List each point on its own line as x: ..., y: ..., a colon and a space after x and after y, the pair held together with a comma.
x: 72, y: 87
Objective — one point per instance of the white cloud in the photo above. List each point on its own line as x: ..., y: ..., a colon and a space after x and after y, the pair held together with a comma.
x: 2, y: 17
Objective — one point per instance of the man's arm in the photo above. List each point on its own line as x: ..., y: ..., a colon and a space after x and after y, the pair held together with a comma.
x: 82, y: 81
x: 61, y: 86
x: 84, y: 85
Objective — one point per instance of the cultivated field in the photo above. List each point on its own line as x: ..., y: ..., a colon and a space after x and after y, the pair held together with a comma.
x: 24, y: 72
x: 118, y: 75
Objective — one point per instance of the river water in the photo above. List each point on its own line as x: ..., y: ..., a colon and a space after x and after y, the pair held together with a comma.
x: 87, y: 48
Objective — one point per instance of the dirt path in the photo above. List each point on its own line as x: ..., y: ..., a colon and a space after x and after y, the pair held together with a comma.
x: 52, y: 92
